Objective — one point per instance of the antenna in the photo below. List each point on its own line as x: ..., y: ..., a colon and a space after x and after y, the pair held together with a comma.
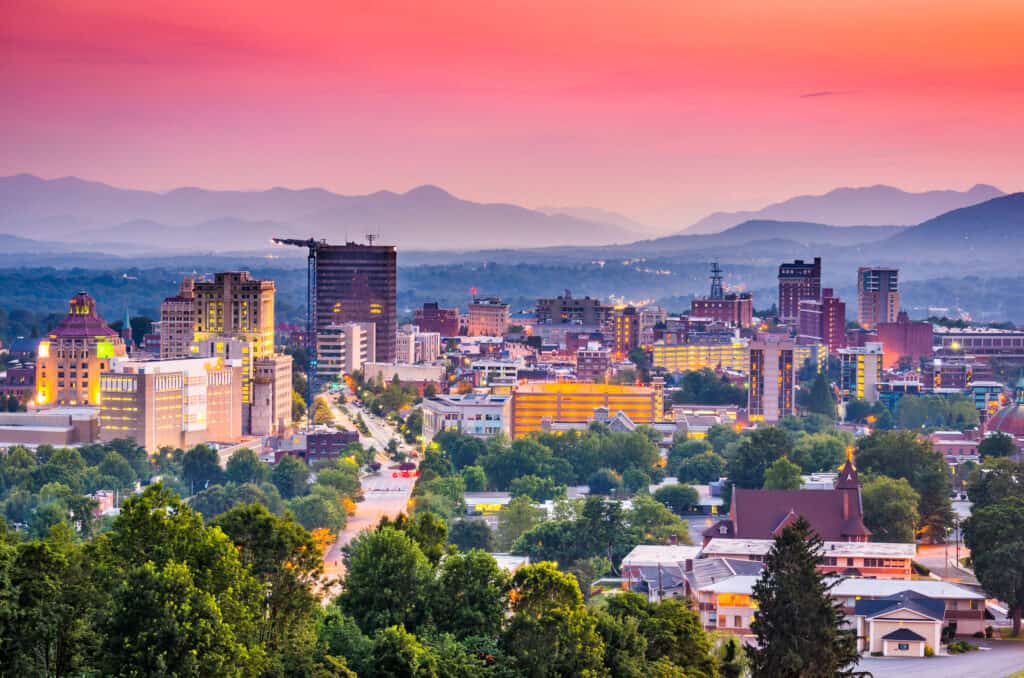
x: 716, y: 281
x: 371, y: 237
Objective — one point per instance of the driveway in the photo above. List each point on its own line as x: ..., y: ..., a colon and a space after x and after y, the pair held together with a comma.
x: 1003, y: 658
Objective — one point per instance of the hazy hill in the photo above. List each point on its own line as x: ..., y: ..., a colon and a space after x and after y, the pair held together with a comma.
x: 757, y: 230
x: 423, y: 218
x: 871, y: 205
x: 992, y: 228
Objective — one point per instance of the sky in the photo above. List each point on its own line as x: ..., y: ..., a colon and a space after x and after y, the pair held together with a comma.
x: 661, y: 110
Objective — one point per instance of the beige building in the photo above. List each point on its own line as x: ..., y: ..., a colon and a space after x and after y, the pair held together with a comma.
x: 271, y: 410
x: 57, y: 426
x: 178, y: 322
x: 772, y: 375
x: 343, y: 349
x: 175, y: 403
x: 488, y: 317
x: 535, y: 403
x: 72, y: 357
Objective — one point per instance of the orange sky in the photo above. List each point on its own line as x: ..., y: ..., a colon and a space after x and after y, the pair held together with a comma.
x: 662, y: 110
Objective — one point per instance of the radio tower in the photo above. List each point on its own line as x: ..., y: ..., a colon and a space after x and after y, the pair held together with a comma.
x: 716, y: 281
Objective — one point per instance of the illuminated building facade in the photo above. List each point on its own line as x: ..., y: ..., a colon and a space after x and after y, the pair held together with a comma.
x: 72, y: 357
x: 271, y: 409
x: 358, y: 284
x: 878, y: 296
x: 625, y: 330
x: 905, y: 340
x: 798, y: 281
x: 433, y: 318
x: 488, y: 317
x: 861, y: 372
x: 734, y: 309
x: 343, y: 349
x: 572, y: 310
x: 593, y: 363
x: 175, y: 403
x: 535, y: 403
x: 823, y: 320
x: 178, y: 322
x: 733, y: 356
x: 772, y: 375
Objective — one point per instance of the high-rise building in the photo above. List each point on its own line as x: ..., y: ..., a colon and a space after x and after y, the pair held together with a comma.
x: 343, y: 349
x: 72, y: 357
x: 358, y: 284
x: 174, y: 403
x: 798, y: 281
x: 414, y: 346
x: 824, y: 320
x: 861, y: 372
x: 178, y: 322
x: 593, y: 363
x: 772, y: 379
x: 432, y: 318
x: 625, y: 324
x: 488, y: 317
x: 878, y: 296
x: 533, y: 403
x: 271, y: 410
x: 735, y: 309
x: 905, y: 340
x: 572, y: 310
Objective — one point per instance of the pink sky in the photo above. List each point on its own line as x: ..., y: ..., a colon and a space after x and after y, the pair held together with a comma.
x: 650, y: 108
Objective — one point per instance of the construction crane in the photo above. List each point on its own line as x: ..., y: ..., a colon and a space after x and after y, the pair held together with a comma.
x: 312, y: 245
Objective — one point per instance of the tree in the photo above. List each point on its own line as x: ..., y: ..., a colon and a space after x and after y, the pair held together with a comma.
x: 679, y: 498
x: 799, y: 626
x: 995, y: 535
x: 322, y: 413
x: 200, y: 468
x: 314, y: 510
x: 399, y: 654
x: 902, y: 454
x: 820, y: 399
x: 474, y: 479
x: 997, y: 445
x: 720, y: 436
x: 857, y: 410
x: 386, y: 580
x: 471, y: 534
x: 890, y: 509
x: 673, y: 632
x: 702, y: 468
x: 821, y: 452
x: 755, y: 452
x: 515, y: 518
x: 605, y: 481
x: 245, y: 467
x: 655, y: 522
x: 298, y: 405
x: 537, y: 489
x: 706, y: 387
x: 686, y: 449
x: 470, y: 595
x: 634, y: 480
x: 782, y: 475
x: 997, y: 480
x: 117, y: 467
x: 291, y: 477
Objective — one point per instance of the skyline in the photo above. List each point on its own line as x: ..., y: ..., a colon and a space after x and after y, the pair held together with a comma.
x: 655, y: 114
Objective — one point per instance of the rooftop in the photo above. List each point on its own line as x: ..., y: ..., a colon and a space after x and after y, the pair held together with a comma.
x: 929, y: 588
x: 760, y: 547
x: 654, y: 554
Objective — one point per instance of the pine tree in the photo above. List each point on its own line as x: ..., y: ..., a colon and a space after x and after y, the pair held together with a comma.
x: 799, y: 627
x: 820, y: 400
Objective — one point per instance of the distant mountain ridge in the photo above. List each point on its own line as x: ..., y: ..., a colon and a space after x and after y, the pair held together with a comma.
x: 426, y: 217
x: 870, y: 205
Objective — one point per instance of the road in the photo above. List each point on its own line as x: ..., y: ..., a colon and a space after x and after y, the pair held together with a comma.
x: 1003, y: 658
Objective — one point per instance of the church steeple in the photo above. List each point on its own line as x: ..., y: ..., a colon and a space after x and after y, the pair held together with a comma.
x: 848, y: 479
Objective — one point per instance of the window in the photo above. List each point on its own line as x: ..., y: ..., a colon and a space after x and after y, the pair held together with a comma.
x: 737, y: 622
x: 849, y: 562
x: 721, y: 620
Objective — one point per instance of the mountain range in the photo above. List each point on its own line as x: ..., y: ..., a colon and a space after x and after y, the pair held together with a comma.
x: 870, y: 205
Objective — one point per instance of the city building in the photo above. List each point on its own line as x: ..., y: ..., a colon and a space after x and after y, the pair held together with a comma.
x: 734, y: 309
x: 415, y: 346
x: 823, y: 320
x: 593, y: 363
x: 343, y: 349
x: 861, y: 372
x: 566, y: 309
x: 878, y: 560
x: 482, y: 415
x: 798, y: 281
x: 177, y: 326
x: 836, y: 515
x: 772, y: 379
x: 271, y: 409
x: 878, y: 296
x: 71, y: 358
x: 660, y: 570
x: 314, y: 446
x: 433, y: 318
x: 534, y: 403
x: 905, y: 341
x: 419, y: 376
x: 175, y: 403
x: 625, y: 324
x: 357, y: 284
x: 19, y: 381
x: 488, y: 316
x: 984, y: 343
x: 901, y: 625
x: 733, y: 356
x: 57, y: 426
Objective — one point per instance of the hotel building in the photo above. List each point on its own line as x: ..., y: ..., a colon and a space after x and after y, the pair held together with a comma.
x: 772, y: 375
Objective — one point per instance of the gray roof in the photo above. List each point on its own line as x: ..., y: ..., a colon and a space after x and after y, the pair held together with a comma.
x: 930, y: 607
x: 711, y: 570
x: 903, y: 634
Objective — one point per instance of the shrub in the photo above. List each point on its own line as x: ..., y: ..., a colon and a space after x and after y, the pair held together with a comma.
x: 979, y: 634
x: 988, y: 631
x: 928, y: 651
x: 876, y: 654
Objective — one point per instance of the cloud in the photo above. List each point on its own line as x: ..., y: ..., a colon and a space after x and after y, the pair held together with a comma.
x: 822, y: 93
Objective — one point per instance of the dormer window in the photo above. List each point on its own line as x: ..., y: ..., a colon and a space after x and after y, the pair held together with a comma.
x: 723, y: 530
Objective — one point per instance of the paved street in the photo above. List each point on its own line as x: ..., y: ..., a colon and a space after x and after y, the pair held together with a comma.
x: 1002, y: 659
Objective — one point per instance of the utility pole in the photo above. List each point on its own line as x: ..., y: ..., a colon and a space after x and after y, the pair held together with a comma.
x: 312, y: 245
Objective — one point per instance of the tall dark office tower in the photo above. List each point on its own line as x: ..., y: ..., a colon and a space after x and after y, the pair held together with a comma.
x: 357, y: 283
x: 798, y: 281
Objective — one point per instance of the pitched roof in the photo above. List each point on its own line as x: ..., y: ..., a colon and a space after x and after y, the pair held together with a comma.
x: 762, y: 514
x: 903, y: 634
x: 930, y: 607
x: 710, y: 570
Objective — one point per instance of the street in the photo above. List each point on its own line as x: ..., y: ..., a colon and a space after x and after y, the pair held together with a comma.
x: 1002, y: 658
